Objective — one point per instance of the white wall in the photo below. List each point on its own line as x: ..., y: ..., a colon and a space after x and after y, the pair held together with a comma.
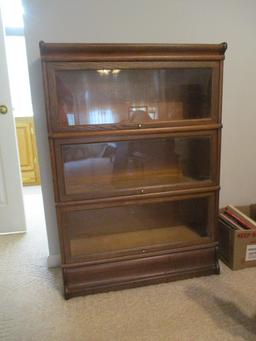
x: 150, y: 21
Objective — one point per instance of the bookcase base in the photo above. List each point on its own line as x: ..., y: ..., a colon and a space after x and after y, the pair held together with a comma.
x: 84, y: 279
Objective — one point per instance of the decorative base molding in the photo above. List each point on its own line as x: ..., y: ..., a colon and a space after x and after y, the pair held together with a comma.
x: 53, y: 261
x: 83, y: 279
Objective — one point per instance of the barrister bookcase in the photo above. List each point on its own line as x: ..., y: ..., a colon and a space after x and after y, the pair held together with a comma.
x: 134, y: 133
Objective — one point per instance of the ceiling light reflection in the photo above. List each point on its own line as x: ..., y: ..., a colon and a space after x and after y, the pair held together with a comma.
x: 108, y: 71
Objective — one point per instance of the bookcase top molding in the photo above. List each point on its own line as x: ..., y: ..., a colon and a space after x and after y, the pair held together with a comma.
x: 136, y: 52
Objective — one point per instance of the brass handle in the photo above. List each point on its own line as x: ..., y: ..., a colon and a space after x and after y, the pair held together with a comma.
x: 3, y: 109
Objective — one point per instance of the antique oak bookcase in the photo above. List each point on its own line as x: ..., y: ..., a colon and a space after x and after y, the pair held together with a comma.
x: 134, y: 133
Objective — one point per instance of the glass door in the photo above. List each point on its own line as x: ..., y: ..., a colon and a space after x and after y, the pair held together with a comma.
x: 132, y: 95
x: 134, y: 165
x: 137, y: 227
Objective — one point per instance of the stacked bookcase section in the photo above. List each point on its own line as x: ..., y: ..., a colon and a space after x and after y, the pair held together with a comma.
x: 134, y: 133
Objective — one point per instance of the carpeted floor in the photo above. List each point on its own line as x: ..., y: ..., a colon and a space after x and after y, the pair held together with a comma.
x: 32, y: 306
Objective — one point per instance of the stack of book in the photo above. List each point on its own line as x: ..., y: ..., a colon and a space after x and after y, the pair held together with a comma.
x: 236, y: 219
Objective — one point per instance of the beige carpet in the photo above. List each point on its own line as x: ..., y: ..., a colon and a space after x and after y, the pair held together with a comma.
x: 32, y: 307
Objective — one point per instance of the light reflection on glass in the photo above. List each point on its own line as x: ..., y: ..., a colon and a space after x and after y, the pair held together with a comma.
x: 108, y: 71
x: 71, y: 119
x: 98, y: 116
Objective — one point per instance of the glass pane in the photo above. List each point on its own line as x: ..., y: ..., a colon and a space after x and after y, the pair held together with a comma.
x: 113, y: 96
x: 113, y: 229
x: 102, y: 168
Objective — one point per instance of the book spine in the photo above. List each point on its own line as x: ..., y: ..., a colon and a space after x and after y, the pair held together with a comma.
x: 242, y: 216
x: 230, y: 221
x: 243, y: 223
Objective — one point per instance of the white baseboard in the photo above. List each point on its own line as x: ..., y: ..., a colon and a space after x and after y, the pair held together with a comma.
x: 16, y: 232
x: 53, y: 261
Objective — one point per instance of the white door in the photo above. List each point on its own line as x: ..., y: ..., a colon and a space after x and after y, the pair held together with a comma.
x: 12, y: 216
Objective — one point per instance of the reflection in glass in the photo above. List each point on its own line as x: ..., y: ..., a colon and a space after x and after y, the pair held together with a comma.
x: 106, y: 167
x: 112, y: 96
x: 138, y: 226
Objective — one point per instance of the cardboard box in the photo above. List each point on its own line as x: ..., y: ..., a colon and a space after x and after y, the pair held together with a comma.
x: 238, y: 247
